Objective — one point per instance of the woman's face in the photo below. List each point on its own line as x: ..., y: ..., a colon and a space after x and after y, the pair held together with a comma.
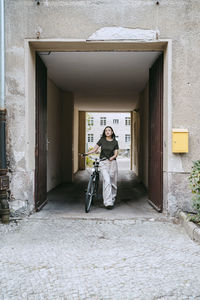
x: 108, y: 132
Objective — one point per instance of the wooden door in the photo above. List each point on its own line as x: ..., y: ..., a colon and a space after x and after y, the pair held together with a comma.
x: 136, y: 138
x: 41, y: 135
x: 81, y: 139
x: 156, y: 134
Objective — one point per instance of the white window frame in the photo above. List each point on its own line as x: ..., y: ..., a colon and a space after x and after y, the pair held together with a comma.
x: 91, y: 121
x: 90, y: 137
x: 102, y: 121
x: 127, y: 121
x: 127, y: 138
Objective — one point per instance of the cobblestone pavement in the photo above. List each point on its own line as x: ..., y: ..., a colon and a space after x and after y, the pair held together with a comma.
x: 62, y: 258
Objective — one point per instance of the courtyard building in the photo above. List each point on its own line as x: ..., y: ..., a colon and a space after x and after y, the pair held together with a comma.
x: 120, y: 122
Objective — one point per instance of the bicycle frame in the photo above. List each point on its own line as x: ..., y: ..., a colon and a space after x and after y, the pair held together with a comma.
x: 92, y: 190
x: 95, y: 168
x: 95, y: 173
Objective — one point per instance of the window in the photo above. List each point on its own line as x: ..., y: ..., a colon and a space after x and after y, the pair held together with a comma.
x: 90, y: 137
x: 127, y: 121
x: 127, y: 138
x: 90, y: 121
x: 115, y: 121
x: 117, y: 137
x: 102, y: 120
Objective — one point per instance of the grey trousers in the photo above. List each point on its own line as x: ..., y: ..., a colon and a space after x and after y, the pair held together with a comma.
x: 109, y: 174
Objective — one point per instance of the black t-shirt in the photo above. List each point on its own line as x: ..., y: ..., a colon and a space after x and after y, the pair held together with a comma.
x: 107, y: 147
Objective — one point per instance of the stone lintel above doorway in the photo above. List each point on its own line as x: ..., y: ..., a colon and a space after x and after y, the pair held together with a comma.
x: 122, y: 33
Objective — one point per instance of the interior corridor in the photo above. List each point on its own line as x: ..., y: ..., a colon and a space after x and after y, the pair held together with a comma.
x: 68, y: 200
x: 81, y: 82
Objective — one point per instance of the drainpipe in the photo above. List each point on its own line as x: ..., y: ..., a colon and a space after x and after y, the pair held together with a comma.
x: 4, y: 180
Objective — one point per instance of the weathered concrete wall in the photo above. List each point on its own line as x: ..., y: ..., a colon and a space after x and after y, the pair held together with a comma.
x: 173, y: 19
x: 54, y: 135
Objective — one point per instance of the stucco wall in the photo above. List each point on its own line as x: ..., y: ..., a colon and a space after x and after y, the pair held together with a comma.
x: 54, y: 135
x: 173, y: 19
x: 60, y: 135
x: 67, y: 116
x: 106, y: 102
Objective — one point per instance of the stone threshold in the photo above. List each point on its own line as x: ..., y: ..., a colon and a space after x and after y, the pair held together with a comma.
x: 190, y: 227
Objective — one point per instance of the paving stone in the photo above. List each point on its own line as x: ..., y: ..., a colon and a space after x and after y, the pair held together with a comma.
x: 62, y: 258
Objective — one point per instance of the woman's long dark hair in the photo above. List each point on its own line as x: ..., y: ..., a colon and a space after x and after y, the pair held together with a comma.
x: 104, y: 135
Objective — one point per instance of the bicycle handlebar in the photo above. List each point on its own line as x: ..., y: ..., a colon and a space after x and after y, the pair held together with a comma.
x: 84, y: 154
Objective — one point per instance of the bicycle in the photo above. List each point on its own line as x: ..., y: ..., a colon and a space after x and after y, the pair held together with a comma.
x: 93, y: 184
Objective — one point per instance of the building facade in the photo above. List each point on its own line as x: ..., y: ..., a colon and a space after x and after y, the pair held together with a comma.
x: 120, y: 122
x: 126, y: 35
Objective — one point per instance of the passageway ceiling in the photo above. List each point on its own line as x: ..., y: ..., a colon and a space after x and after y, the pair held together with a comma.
x: 100, y: 73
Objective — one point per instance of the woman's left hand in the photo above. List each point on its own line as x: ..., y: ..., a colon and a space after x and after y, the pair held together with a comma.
x: 111, y: 158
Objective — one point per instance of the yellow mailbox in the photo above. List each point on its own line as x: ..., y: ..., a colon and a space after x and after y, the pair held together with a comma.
x: 179, y: 140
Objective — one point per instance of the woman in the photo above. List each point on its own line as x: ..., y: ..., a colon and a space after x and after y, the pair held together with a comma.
x: 109, y: 170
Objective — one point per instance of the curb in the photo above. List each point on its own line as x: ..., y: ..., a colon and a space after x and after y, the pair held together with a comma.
x: 191, y: 228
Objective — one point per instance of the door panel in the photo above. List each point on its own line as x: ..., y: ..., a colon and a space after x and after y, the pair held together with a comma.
x: 136, y: 139
x: 41, y: 135
x: 81, y: 142
x: 156, y: 134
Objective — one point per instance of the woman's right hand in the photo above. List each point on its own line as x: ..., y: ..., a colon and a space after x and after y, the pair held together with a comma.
x: 84, y: 154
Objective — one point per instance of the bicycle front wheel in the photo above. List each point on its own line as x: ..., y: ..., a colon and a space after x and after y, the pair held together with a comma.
x: 89, y: 194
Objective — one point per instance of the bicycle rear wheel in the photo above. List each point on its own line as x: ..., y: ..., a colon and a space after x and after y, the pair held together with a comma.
x: 89, y: 194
